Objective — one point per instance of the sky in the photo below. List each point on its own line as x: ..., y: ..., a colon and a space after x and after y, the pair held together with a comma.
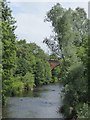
x: 30, y: 18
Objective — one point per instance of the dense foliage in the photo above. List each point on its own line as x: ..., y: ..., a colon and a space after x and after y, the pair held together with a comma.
x: 24, y: 65
x: 70, y: 42
x: 8, y: 48
x: 32, y: 64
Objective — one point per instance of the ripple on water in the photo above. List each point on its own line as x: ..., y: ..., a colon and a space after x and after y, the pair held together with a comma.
x: 43, y: 103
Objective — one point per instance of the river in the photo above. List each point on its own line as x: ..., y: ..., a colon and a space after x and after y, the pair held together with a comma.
x: 43, y: 102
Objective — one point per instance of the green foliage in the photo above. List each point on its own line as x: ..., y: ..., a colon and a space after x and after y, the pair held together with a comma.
x: 53, y: 56
x: 83, y: 111
x: 21, y: 67
x: 28, y: 81
x: 71, y: 33
x: 31, y: 58
x: 8, y: 48
x: 48, y: 73
x: 24, y: 65
x: 17, y: 86
x: 39, y: 73
x: 0, y: 70
x: 42, y: 73
x: 56, y: 74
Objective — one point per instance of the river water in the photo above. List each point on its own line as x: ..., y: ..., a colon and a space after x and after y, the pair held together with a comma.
x: 43, y: 102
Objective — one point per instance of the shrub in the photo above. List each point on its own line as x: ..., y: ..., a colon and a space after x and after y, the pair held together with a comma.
x: 28, y: 81
x: 17, y: 86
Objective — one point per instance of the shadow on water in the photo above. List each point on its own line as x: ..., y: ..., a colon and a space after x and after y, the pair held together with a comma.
x: 43, y: 102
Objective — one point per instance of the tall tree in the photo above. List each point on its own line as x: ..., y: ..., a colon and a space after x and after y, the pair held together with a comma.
x: 71, y: 27
x: 9, y: 49
x: 39, y: 73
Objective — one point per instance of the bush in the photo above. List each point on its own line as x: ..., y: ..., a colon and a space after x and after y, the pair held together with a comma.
x: 75, y: 90
x: 82, y: 110
x: 17, y: 86
x: 28, y: 81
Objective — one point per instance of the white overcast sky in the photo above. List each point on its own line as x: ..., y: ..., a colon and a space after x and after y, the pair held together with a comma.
x: 30, y: 18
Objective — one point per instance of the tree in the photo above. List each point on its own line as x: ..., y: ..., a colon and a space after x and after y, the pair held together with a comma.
x: 39, y: 73
x: 9, y: 48
x: 48, y: 73
x: 25, y: 58
x: 71, y: 30
x: 31, y: 59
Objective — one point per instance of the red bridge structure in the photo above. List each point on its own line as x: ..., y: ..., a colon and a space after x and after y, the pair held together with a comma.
x: 53, y: 63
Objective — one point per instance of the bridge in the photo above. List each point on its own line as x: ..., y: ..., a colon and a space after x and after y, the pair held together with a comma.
x: 53, y: 63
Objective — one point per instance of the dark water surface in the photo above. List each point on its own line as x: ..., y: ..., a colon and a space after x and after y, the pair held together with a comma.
x: 43, y: 102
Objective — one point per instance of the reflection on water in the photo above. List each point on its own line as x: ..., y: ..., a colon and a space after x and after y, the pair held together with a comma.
x: 43, y: 102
